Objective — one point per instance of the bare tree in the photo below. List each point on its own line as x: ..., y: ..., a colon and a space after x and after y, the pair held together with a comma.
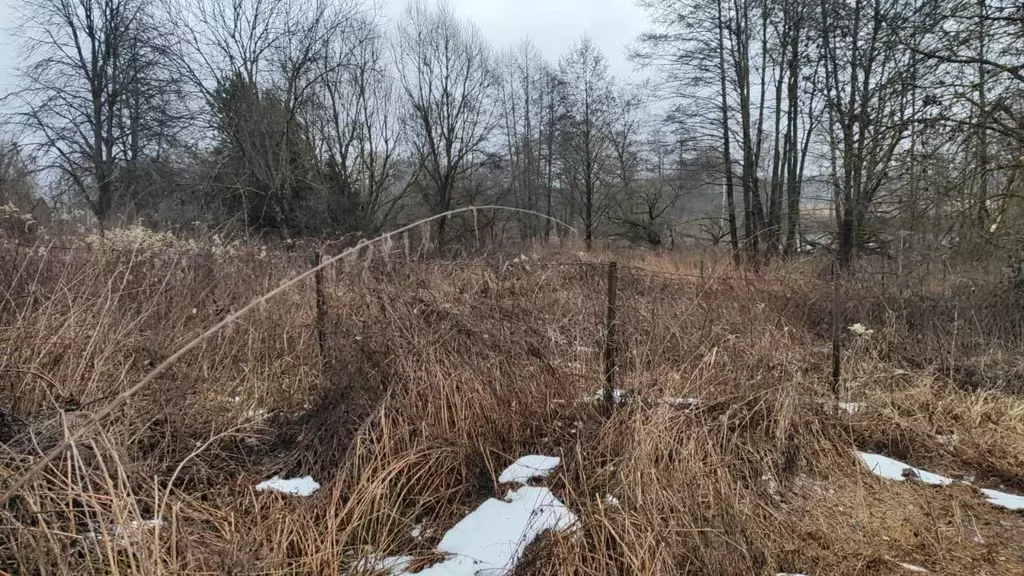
x: 654, y: 191
x: 91, y: 62
x: 257, y: 64
x: 695, y: 48
x: 738, y: 72
x: 638, y: 188
x: 553, y: 118
x: 625, y: 137
x: 18, y: 186
x: 977, y: 44
x: 868, y: 76
x: 446, y: 71
x: 587, y: 143
x: 522, y: 96
x: 358, y: 130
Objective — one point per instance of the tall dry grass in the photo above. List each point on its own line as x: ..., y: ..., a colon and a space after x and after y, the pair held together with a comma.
x: 438, y: 374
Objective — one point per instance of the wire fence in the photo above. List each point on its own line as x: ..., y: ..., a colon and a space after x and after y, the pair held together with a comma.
x: 961, y: 311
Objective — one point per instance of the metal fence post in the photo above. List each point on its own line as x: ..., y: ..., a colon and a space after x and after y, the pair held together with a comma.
x: 610, y: 344
x: 836, y: 330
x: 321, y: 308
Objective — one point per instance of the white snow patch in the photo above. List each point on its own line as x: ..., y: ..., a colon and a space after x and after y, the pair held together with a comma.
x: 393, y: 565
x: 522, y: 260
x: 417, y: 531
x: 256, y: 414
x: 492, y: 538
x: 527, y: 467
x: 911, y: 567
x: 895, y: 470
x: 618, y: 396
x: 304, y: 486
x: 1004, y: 500
x: 130, y: 530
x: 683, y: 401
x: 851, y: 407
x: 139, y: 524
x: 898, y: 471
x: 610, y: 500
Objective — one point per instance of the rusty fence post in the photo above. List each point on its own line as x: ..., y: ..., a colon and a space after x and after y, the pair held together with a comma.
x: 610, y: 343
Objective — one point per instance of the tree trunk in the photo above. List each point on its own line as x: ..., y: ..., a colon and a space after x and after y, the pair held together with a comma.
x: 730, y: 202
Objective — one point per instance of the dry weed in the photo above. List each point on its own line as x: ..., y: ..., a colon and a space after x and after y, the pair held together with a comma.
x: 438, y: 374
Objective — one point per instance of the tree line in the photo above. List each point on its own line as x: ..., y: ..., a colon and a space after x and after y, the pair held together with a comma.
x: 905, y: 118
x: 302, y: 118
x: 908, y: 114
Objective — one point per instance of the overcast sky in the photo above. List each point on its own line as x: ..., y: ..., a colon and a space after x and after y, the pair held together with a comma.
x: 8, y: 53
x: 554, y: 25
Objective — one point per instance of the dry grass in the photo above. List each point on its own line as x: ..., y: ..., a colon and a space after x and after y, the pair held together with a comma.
x: 440, y: 373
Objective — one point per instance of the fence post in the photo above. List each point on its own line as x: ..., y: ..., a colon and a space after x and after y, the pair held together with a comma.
x: 321, y: 308
x: 610, y: 344
x: 836, y: 330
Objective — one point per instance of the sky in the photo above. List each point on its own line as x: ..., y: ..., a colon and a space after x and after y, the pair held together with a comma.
x: 553, y: 25
x: 8, y: 50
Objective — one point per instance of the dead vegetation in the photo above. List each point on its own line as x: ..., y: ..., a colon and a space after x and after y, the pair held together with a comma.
x: 438, y: 374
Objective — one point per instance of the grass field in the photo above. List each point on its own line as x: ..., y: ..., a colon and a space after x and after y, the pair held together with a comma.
x: 439, y: 374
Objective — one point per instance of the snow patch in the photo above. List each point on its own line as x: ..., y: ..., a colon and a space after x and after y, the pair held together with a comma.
x: 492, y: 538
x: 895, y: 470
x: 618, y: 396
x: 392, y: 565
x: 851, y: 407
x: 135, y: 525
x: 610, y: 500
x: 256, y: 414
x: 304, y: 486
x: 1004, y: 500
x: 527, y: 467
x: 891, y: 469
x: 133, y: 528
x: 522, y: 260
